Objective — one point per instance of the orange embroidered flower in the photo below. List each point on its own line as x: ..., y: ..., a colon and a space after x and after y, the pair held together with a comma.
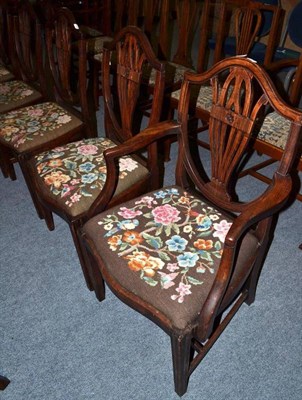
x: 114, y: 241
x: 132, y: 237
x: 202, y: 244
x: 55, y: 163
x: 183, y: 200
x: 56, y: 179
x: 143, y: 261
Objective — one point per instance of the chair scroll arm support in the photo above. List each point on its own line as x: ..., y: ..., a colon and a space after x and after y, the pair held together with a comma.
x: 257, y: 210
x: 260, y: 208
x: 139, y: 142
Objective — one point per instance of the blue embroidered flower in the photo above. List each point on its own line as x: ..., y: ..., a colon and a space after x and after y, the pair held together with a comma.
x: 187, y: 259
x: 89, y: 178
x: 160, y: 195
x: 87, y: 167
x: 203, y: 223
x: 163, y: 193
x: 176, y: 243
x: 70, y: 164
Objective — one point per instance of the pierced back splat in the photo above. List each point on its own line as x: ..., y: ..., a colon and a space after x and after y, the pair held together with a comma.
x: 69, y: 74
x: 233, y: 115
x: 131, y: 58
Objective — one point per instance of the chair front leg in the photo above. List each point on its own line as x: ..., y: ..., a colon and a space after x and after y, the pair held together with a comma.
x: 7, y: 163
x: 182, y: 356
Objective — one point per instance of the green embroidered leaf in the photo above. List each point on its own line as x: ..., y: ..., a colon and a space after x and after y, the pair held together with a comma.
x: 150, y: 281
x: 184, y: 271
x: 154, y: 241
x: 217, y: 254
x: 86, y: 194
x: 194, y: 281
x: 56, y: 192
x: 168, y: 230
x: 151, y: 223
x: 123, y: 246
x: 166, y: 200
x: 164, y: 256
x: 205, y: 255
x: 204, y: 234
x: 175, y: 228
x: 158, y: 230
x: 148, y: 215
x: 217, y: 245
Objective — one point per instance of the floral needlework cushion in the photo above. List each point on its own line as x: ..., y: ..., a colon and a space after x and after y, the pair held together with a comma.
x: 16, y: 92
x: 203, y: 97
x: 275, y: 130
x: 173, y: 73
x: 31, y: 126
x: 165, y: 248
x: 75, y: 174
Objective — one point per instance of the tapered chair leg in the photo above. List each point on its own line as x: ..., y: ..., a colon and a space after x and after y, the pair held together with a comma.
x: 7, y: 164
x: 181, y: 354
x: 80, y: 250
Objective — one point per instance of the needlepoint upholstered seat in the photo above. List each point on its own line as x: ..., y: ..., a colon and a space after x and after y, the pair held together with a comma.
x: 74, y: 175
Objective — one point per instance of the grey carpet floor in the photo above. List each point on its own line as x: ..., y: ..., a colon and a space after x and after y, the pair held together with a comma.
x: 57, y: 342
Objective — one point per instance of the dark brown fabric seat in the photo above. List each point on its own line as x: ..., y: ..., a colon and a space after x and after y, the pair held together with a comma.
x: 172, y: 241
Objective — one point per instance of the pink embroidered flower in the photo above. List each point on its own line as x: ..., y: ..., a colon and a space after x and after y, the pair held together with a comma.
x: 183, y: 291
x: 167, y: 279
x: 147, y: 200
x: 165, y: 214
x: 127, y: 213
x: 87, y: 149
x: 75, y: 198
x: 127, y: 164
x: 221, y: 229
x: 35, y: 112
x: 172, y: 267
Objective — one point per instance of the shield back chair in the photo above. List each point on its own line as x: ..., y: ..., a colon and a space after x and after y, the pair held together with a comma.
x: 188, y: 256
x: 27, y: 57
x: 33, y: 129
x: 72, y: 181
x: 232, y: 27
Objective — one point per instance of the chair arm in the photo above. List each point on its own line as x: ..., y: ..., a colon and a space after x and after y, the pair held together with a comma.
x: 270, y: 202
x: 136, y: 143
x: 142, y: 140
x: 280, y: 64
